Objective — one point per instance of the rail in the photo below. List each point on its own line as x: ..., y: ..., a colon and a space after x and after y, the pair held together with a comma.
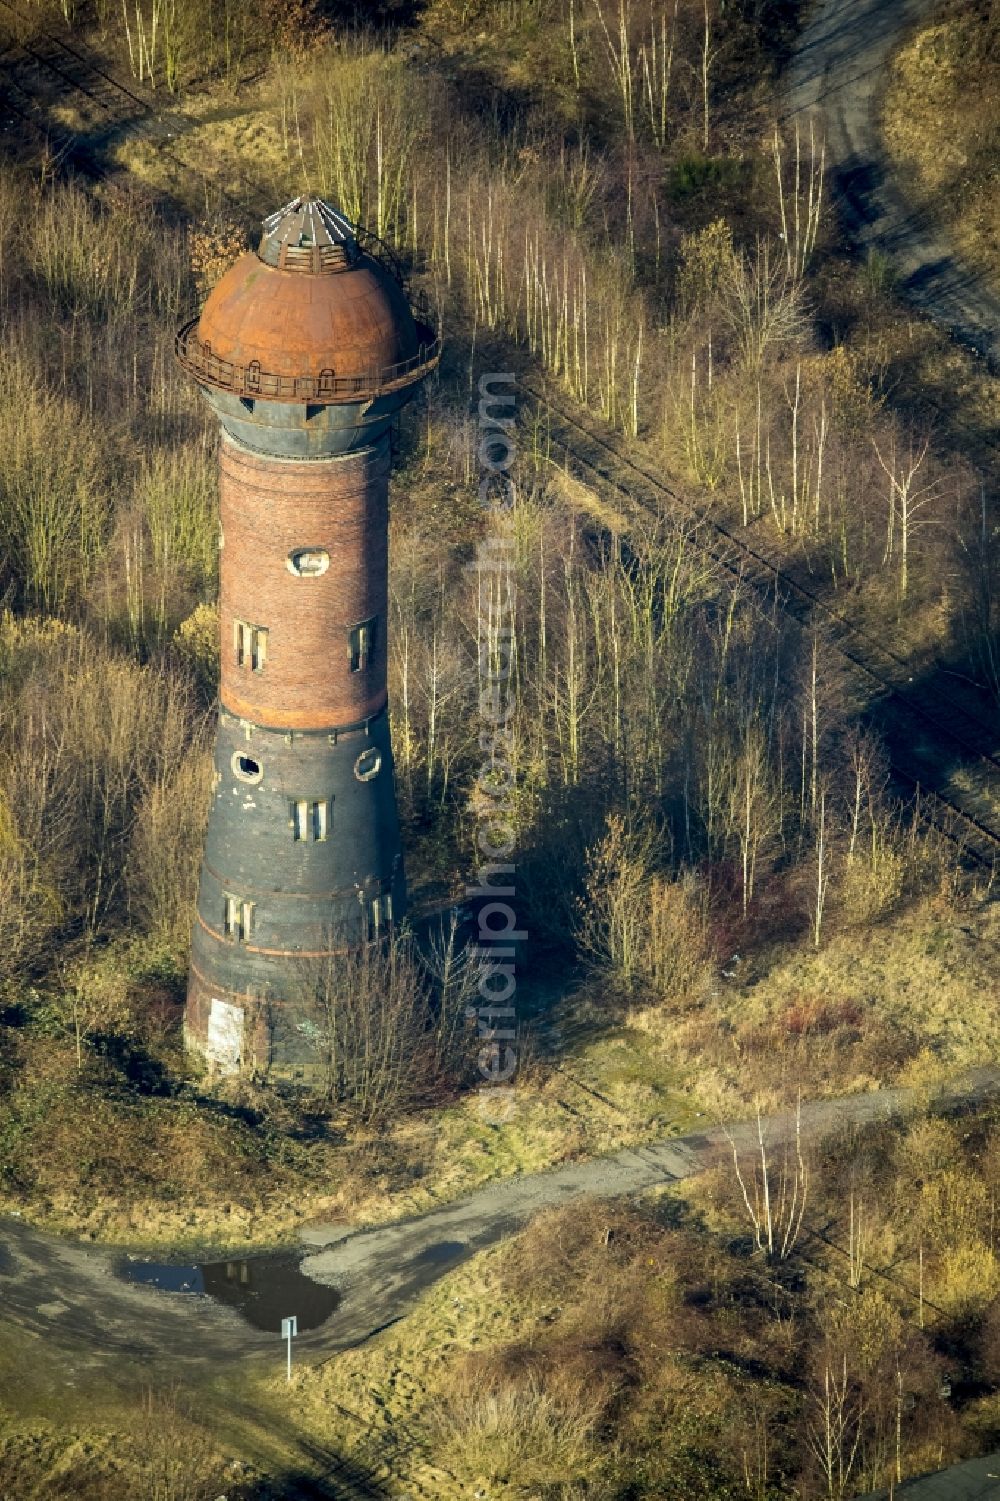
x: 954, y: 733
x: 250, y: 381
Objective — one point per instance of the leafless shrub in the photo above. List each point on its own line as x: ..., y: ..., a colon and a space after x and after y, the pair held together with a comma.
x: 773, y: 1193
x: 523, y: 1432
x: 764, y: 305
x: 366, y: 1024
x: 89, y: 740
x: 165, y: 849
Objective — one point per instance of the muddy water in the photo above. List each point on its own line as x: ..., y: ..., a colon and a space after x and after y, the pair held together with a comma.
x: 262, y: 1289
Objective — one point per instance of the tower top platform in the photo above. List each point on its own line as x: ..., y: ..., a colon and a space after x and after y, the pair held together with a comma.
x: 309, y: 235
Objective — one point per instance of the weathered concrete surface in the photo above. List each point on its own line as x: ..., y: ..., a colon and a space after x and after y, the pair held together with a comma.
x: 838, y: 73
x: 381, y: 1271
x: 975, y: 1480
x: 67, y: 1293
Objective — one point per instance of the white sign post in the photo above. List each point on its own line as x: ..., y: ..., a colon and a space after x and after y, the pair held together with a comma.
x: 289, y: 1330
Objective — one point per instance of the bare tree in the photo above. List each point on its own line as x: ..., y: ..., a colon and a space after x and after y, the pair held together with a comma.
x: 708, y: 56
x: 835, y: 1428
x: 612, y: 914
x: 908, y: 496
x: 455, y: 972
x: 801, y: 204
x: 869, y: 777
x: 857, y: 1233
x: 655, y: 59
x: 619, y: 54
x: 774, y: 1198
x: 763, y: 304
x: 822, y: 869
x: 745, y: 802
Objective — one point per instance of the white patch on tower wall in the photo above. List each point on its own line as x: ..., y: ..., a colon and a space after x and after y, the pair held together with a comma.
x: 224, y: 1044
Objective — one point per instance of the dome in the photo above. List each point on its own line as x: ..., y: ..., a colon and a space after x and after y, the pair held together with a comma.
x: 309, y: 316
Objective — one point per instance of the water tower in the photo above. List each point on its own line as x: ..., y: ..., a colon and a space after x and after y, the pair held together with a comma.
x: 305, y: 351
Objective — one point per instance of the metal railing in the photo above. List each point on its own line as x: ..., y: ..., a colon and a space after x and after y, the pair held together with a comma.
x: 249, y: 380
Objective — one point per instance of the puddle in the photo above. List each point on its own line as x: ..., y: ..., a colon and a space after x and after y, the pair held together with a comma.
x: 442, y: 1251
x: 263, y: 1289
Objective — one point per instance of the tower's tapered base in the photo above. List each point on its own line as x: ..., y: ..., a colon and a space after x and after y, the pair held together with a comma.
x: 286, y: 888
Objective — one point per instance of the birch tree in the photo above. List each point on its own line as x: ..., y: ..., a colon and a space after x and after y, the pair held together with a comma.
x: 774, y: 1196
x: 909, y: 495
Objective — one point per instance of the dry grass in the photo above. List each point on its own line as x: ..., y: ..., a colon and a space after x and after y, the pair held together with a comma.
x: 154, y: 1450
x: 905, y: 999
x: 942, y: 122
x: 598, y: 1348
x: 522, y: 1435
x: 166, y: 1172
x: 457, y: 1380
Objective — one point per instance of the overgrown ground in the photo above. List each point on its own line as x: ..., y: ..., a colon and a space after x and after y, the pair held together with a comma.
x: 92, y: 1151
x: 71, y: 1437
x: 89, y: 1152
x: 942, y: 124
x: 652, y: 1347
x: 734, y: 969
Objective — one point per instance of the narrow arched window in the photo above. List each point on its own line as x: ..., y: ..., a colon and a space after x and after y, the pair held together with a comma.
x: 311, y: 819
x: 250, y: 645
x: 361, y: 644
x: 238, y: 918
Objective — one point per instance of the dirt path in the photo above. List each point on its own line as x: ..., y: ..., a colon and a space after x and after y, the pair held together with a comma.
x: 67, y: 1293
x: 380, y: 1271
x: 838, y: 72
x: 973, y: 1480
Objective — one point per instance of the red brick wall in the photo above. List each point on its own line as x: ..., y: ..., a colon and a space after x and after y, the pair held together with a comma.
x: 270, y: 508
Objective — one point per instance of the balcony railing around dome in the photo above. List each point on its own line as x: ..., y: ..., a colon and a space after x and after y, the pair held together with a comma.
x: 251, y: 381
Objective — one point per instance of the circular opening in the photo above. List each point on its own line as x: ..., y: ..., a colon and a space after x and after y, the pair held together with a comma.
x: 308, y: 562
x: 246, y: 768
x: 368, y: 764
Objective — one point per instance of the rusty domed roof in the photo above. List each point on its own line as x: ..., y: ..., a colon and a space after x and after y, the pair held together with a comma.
x: 309, y: 316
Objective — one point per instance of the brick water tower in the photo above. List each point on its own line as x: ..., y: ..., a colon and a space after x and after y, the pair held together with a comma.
x: 305, y: 351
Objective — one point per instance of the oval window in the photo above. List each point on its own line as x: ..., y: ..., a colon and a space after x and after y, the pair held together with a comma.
x: 368, y: 764
x: 246, y: 768
x: 308, y: 562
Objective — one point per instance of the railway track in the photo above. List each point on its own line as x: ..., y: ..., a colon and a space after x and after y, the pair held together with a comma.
x: 20, y: 108
x: 45, y: 77
x: 77, y: 70
x: 936, y: 743
x: 77, y: 73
